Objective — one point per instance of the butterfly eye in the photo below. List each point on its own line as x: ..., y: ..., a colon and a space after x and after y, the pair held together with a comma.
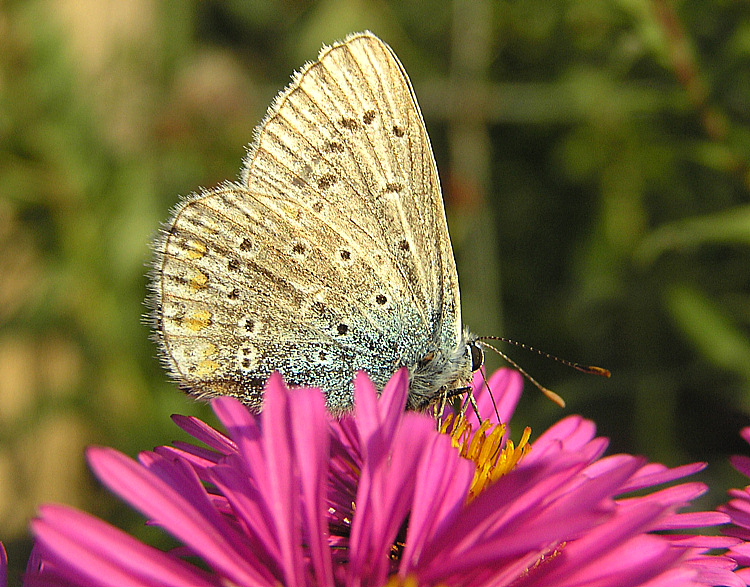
x: 477, y: 356
x: 425, y: 360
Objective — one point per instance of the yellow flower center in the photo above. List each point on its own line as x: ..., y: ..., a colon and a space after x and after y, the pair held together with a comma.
x: 485, y: 449
x: 396, y: 581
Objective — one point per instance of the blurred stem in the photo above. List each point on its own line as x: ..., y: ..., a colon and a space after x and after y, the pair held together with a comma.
x: 470, y: 152
x: 681, y: 56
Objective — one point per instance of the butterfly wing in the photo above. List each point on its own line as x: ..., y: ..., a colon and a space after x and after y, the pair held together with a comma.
x: 332, y: 255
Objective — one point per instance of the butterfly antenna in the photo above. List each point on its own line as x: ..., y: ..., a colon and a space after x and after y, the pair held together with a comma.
x: 548, y: 392
x: 591, y: 369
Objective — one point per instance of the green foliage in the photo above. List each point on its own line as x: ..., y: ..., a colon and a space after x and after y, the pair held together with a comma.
x: 594, y: 158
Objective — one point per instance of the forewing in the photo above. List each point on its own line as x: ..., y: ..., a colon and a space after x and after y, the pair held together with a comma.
x: 347, y: 143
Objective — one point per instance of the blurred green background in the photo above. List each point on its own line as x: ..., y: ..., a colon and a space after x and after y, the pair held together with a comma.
x: 594, y: 160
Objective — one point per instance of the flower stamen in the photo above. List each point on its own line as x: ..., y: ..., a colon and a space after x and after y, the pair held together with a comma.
x: 396, y: 581
x: 485, y: 448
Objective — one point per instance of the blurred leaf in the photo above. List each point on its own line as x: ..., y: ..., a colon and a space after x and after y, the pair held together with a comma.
x: 729, y: 227
x: 711, y: 330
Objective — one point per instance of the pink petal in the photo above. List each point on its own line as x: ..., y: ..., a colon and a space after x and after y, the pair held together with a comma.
x: 631, y: 563
x: 36, y: 561
x: 249, y: 507
x: 702, y: 542
x: 3, y: 566
x: 344, y: 465
x: 502, y: 390
x: 741, y: 463
x: 738, y: 510
x: 367, y: 416
x: 735, y: 531
x: 681, y: 576
x: 740, y: 493
x: 443, y: 482
x: 205, y: 433
x: 743, y: 548
x: 377, y: 419
x: 90, y: 552
x: 677, y: 495
x: 604, y: 465
x: 311, y: 440
x: 702, y: 561
x: 279, y: 486
x: 393, y: 400
x: 509, y: 384
x: 656, y: 474
x: 384, y: 496
x: 188, y: 519
x: 571, y: 434
x: 494, y: 527
x: 716, y: 575
x: 615, y: 553
x: 199, y: 458
x: 694, y: 520
x: 244, y: 428
x: 380, y: 478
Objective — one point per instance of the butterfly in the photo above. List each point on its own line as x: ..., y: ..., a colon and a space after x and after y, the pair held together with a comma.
x: 330, y: 255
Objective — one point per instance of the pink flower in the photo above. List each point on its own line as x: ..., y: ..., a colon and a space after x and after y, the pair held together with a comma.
x: 296, y: 497
x: 738, y: 510
x: 3, y: 566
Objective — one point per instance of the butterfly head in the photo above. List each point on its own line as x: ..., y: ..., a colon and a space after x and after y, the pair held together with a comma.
x: 441, y: 371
